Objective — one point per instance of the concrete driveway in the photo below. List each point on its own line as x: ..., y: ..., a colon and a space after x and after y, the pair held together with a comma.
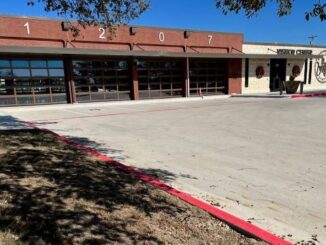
x: 262, y: 159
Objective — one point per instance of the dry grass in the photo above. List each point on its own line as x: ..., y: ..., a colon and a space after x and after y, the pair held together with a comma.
x: 51, y: 193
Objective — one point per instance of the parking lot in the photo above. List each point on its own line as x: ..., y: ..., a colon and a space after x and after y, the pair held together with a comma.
x: 262, y: 159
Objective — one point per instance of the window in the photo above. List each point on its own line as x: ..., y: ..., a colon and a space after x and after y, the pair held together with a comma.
x: 26, y: 81
x: 208, y: 77
x: 99, y: 80
x: 159, y: 79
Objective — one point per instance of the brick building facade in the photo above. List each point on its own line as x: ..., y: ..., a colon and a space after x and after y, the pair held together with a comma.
x: 43, y: 62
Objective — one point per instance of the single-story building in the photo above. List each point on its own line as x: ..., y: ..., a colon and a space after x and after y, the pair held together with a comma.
x: 44, y: 61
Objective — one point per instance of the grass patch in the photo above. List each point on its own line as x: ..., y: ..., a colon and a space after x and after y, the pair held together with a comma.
x: 51, y: 193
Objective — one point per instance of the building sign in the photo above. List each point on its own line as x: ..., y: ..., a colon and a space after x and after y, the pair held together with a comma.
x: 294, y: 51
x: 320, y: 68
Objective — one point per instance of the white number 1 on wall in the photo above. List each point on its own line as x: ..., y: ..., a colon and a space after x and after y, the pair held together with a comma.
x: 27, y: 28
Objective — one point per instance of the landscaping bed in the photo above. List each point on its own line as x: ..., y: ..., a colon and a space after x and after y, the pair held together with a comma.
x: 51, y: 193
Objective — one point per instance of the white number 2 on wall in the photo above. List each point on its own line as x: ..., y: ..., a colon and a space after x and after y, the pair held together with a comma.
x: 27, y: 28
x: 210, y: 37
x: 102, y: 33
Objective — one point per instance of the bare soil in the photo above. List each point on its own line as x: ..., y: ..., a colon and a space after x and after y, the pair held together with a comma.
x: 51, y: 193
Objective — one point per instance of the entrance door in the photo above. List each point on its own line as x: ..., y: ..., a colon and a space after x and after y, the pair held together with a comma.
x: 278, y: 74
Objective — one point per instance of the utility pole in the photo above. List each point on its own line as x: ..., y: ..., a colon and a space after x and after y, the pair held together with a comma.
x: 312, y: 39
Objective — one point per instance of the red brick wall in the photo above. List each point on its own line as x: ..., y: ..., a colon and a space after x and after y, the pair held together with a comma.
x: 235, y: 76
x: 49, y: 33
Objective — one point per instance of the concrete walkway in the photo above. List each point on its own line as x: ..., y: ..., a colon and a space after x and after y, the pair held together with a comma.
x: 262, y: 159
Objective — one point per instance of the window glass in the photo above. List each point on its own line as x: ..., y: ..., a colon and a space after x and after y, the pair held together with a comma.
x: 22, y: 90
x: 5, y: 72
x: 20, y: 63
x: 56, y: 72
x: 109, y: 64
x: 25, y: 100
x: 22, y: 82
x: 58, y: 90
x: 21, y: 72
x: 39, y: 72
x: 59, y: 98
x: 57, y: 82
x: 6, y: 91
x: 41, y: 90
x: 55, y: 63
x: 41, y: 82
x: 42, y: 99
x: 122, y: 65
x: 81, y: 82
x: 104, y: 77
x: 38, y: 63
x: 4, y: 63
x: 80, y: 64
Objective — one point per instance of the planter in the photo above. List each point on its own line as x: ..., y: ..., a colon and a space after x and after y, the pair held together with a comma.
x: 291, y: 87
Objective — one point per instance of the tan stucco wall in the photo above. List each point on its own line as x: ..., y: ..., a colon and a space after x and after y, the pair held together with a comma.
x: 262, y: 85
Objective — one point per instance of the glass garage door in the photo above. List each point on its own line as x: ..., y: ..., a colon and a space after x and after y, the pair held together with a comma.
x: 208, y: 77
x: 160, y: 79
x: 29, y: 81
x: 102, y: 80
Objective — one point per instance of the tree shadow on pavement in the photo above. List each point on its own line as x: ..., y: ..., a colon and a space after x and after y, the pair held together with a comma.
x: 9, y: 122
x: 164, y: 175
x: 118, y: 155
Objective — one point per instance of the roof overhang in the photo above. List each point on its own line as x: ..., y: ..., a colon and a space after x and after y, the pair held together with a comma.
x: 10, y: 50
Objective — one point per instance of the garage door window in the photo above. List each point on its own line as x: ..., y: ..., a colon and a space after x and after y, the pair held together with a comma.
x: 31, y: 81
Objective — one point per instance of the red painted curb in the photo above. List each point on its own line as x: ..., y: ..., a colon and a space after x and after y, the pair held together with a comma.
x: 299, y: 96
x: 230, y: 219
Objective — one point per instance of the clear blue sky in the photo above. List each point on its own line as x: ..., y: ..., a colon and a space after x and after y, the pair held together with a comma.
x: 202, y: 15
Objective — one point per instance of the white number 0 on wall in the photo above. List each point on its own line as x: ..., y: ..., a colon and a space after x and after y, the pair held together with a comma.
x: 161, y: 36
x: 27, y: 28
x: 102, y: 33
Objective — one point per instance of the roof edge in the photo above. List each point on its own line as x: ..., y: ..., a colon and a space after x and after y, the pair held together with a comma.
x: 285, y: 44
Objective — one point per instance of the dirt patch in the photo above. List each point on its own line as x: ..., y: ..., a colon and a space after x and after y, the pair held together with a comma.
x: 52, y: 193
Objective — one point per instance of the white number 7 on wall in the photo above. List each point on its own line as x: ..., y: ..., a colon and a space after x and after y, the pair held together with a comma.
x: 210, y: 37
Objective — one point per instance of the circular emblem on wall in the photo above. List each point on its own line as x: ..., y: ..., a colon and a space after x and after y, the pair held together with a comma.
x: 296, y: 70
x: 260, y: 72
x: 320, y: 68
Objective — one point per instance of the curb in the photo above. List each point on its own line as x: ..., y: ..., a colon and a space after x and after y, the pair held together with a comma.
x: 300, y: 96
x: 230, y: 219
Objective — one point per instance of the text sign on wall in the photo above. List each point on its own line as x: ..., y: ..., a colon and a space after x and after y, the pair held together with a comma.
x: 294, y: 51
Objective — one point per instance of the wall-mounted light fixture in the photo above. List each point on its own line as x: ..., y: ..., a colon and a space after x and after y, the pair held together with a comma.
x: 65, y: 25
x: 133, y: 31
x: 186, y: 34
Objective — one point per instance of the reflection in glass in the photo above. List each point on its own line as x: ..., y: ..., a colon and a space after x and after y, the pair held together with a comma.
x: 4, y: 63
x: 56, y: 72
x: 5, y: 72
x: 55, y: 63
x: 103, y: 78
x: 20, y: 63
x: 21, y: 72
x: 38, y: 63
x: 39, y: 72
